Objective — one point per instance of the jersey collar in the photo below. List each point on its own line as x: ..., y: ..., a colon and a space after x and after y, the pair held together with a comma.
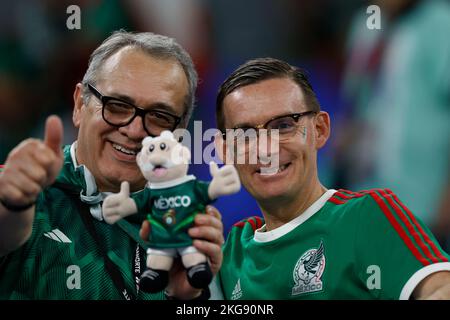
x: 267, y: 236
x: 171, y: 183
x: 80, y: 177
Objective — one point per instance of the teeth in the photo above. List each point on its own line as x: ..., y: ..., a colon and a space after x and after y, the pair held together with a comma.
x: 268, y: 171
x: 271, y: 171
x: 124, y: 150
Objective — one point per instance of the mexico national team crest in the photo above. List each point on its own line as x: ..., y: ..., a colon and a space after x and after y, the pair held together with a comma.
x: 308, y: 271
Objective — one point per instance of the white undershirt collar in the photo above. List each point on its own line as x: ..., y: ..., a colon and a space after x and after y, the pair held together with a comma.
x: 267, y: 236
x: 91, y: 196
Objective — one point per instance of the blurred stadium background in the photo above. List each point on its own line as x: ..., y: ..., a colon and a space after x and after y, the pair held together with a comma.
x: 386, y: 90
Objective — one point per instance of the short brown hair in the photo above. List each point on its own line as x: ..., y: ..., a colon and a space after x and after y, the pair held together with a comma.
x: 257, y: 70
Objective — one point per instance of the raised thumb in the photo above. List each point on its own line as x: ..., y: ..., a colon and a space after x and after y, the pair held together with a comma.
x: 54, y: 134
x: 213, y: 168
x: 125, y: 188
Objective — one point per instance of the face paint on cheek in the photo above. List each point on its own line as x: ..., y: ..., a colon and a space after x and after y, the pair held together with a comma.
x: 304, y: 134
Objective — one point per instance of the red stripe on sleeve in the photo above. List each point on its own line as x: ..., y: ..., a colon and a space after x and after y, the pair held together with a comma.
x: 398, y: 228
x: 252, y: 222
x: 339, y: 197
x: 347, y: 197
x: 409, y: 226
x: 259, y: 222
x: 436, y: 251
x: 348, y: 191
x: 239, y: 224
x: 336, y: 200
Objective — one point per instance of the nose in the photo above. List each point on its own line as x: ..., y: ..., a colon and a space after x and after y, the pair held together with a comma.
x: 157, y: 159
x: 264, y: 144
x: 267, y: 148
x: 135, y: 130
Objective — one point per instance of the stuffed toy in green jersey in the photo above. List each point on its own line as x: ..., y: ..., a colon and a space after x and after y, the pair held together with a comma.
x: 173, y: 199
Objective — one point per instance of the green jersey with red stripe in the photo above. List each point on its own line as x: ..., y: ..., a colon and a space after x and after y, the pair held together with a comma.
x: 62, y: 260
x: 346, y: 245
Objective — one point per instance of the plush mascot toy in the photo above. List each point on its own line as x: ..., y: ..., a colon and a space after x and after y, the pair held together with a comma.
x: 175, y: 198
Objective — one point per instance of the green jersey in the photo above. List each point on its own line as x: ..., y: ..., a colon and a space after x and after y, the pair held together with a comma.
x: 347, y: 245
x: 61, y: 260
x: 174, y: 205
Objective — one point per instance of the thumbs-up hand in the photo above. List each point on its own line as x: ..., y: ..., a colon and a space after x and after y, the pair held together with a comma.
x: 118, y: 206
x: 213, y: 168
x: 31, y: 166
x: 225, y: 180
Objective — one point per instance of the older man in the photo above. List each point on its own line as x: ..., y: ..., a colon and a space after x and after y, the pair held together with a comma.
x: 54, y: 243
x: 316, y: 243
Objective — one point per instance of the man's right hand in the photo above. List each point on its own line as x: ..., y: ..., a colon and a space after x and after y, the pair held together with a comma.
x: 32, y: 166
x: 29, y: 168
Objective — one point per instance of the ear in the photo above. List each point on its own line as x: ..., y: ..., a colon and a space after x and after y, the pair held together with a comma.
x: 323, y: 128
x: 78, y: 105
x: 167, y: 135
x: 180, y: 154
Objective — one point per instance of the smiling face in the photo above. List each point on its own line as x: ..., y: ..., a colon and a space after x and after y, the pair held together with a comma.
x: 147, y: 82
x: 163, y: 158
x: 256, y: 103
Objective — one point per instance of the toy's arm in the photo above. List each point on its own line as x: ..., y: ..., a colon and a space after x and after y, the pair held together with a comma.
x: 225, y: 181
x: 118, y: 206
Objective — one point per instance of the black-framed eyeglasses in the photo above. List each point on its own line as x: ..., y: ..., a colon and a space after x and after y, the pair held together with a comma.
x: 285, y: 125
x: 119, y: 113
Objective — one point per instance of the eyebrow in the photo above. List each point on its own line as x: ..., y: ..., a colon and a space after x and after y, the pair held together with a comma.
x: 248, y: 125
x: 242, y: 125
x: 154, y: 106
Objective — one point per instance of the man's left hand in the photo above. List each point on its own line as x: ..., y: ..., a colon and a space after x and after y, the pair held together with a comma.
x: 208, y: 239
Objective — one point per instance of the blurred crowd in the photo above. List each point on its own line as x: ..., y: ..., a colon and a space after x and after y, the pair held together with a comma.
x: 387, y: 89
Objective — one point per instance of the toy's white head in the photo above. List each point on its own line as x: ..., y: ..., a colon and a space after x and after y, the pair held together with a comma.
x: 163, y: 158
